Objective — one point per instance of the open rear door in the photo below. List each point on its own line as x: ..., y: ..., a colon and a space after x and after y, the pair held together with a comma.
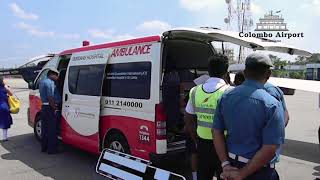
x: 210, y: 35
x: 262, y: 44
x: 284, y: 48
x: 81, y: 99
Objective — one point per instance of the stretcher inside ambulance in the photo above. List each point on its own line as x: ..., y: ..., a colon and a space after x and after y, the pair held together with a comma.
x: 130, y: 95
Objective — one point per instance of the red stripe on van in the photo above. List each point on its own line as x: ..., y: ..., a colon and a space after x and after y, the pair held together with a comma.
x: 113, y: 44
x: 35, y: 107
x: 70, y: 136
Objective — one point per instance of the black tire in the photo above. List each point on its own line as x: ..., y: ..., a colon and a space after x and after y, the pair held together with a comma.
x: 319, y: 134
x: 117, y: 142
x: 37, y: 129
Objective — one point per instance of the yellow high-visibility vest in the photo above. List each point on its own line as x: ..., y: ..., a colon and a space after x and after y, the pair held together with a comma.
x: 204, y: 107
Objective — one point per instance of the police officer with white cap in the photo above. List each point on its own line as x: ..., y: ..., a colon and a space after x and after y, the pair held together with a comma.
x: 254, y: 123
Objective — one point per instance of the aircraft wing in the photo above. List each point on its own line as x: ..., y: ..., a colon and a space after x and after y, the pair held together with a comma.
x: 304, y: 85
x: 11, y: 71
x: 299, y: 84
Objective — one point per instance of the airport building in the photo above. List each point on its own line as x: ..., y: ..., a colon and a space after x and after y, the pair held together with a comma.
x: 313, y: 72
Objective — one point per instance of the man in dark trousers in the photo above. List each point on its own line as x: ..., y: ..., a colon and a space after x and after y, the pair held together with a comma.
x: 48, y: 91
x: 254, y: 121
x: 200, y: 111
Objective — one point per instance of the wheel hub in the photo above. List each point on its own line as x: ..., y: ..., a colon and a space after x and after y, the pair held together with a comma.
x: 115, y: 145
x: 38, y: 128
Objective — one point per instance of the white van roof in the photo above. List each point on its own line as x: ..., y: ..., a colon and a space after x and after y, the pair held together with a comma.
x: 207, y: 35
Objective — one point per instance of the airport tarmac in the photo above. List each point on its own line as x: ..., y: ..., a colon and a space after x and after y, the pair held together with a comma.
x: 21, y: 157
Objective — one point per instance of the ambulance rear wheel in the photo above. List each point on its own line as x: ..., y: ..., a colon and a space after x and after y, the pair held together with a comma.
x: 37, y: 129
x: 117, y: 142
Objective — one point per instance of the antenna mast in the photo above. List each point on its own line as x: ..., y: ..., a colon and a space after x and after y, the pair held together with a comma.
x: 240, y: 15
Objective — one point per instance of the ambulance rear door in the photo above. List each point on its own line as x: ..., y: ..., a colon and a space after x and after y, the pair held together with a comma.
x: 216, y: 35
x: 81, y: 99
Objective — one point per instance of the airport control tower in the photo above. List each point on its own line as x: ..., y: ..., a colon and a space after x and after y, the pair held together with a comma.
x: 271, y: 22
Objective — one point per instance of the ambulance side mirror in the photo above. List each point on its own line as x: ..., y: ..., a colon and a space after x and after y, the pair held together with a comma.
x: 31, y: 85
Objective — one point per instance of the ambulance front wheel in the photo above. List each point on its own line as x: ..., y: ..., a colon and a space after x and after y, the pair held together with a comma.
x: 117, y: 142
x: 37, y: 129
x: 319, y: 134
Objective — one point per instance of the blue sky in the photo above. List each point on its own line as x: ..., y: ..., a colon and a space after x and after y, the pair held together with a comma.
x: 33, y: 27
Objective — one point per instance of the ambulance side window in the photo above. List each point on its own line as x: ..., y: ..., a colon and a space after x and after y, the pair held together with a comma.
x: 73, y: 77
x: 128, y: 80
x: 86, y: 80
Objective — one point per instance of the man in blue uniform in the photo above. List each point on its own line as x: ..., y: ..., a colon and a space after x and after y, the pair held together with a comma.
x: 48, y: 94
x: 277, y: 93
x: 254, y: 121
x: 274, y: 91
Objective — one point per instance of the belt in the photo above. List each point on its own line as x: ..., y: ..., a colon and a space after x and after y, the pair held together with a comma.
x: 245, y: 160
x: 45, y: 103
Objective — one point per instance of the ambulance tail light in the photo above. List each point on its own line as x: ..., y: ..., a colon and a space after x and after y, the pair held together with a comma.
x: 161, y: 124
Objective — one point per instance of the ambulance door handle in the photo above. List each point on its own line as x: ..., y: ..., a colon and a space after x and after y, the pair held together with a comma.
x: 66, y: 97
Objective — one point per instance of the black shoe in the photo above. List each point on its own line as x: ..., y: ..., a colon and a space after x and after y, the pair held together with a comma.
x: 43, y: 150
x: 53, y: 152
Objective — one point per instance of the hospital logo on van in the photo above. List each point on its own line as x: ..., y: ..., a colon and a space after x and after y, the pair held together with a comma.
x: 88, y: 57
x: 132, y: 50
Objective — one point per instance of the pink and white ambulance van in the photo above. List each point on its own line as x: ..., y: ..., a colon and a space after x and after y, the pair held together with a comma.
x: 123, y: 95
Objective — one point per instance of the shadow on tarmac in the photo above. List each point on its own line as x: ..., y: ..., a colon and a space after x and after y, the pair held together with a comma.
x: 302, y: 150
x: 73, y: 163
x: 70, y: 164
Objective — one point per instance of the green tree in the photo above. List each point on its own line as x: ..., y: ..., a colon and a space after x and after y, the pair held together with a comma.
x: 315, y: 58
x: 301, y: 60
x: 280, y: 73
x: 277, y: 62
x: 296, y: 75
